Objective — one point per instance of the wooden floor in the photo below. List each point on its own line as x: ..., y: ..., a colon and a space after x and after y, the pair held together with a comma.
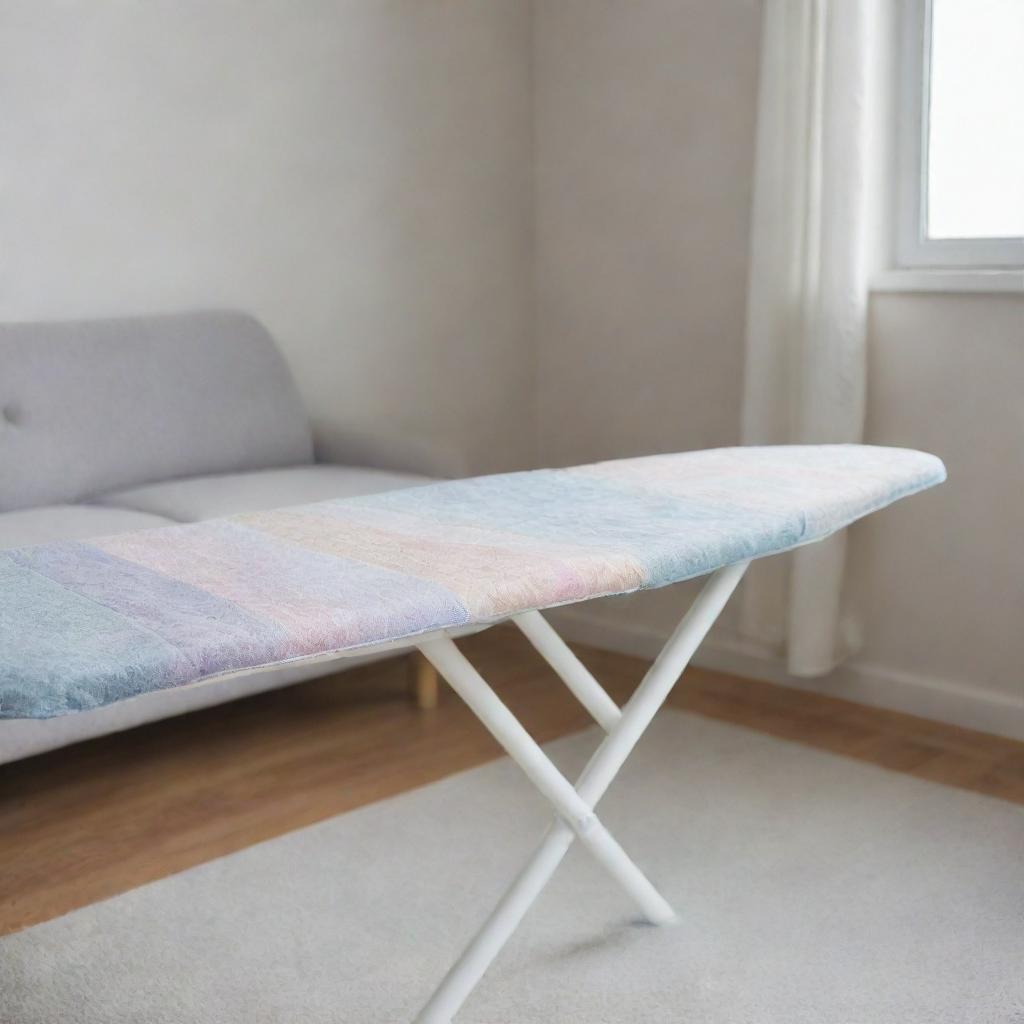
x: 94, y: 820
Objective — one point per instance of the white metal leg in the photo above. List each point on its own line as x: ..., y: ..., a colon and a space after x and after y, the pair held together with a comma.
x: 595, y: 779
x: 557, y: 653
x: 525, y: 751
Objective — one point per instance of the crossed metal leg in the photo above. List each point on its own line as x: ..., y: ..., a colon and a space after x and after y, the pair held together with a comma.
x: 574, y: 805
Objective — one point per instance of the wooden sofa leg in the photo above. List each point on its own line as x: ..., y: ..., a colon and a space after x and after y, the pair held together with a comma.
x: 423, y: 683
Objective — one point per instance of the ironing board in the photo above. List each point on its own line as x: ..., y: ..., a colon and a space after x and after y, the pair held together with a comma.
x: 88, y: 623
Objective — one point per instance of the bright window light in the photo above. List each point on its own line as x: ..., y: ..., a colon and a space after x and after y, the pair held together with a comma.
x: 975, y: 132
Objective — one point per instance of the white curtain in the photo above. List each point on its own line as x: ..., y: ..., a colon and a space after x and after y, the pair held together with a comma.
x: 816, y: 238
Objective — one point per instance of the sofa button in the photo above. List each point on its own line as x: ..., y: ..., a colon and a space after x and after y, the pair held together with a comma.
x: 11, y: 414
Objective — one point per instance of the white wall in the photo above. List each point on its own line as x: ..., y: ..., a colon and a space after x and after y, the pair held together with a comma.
x: 645, y: 118
x: 941, y: 579
x: 356, y: 173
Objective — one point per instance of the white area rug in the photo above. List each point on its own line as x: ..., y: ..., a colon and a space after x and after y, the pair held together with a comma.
x: 812, y: 890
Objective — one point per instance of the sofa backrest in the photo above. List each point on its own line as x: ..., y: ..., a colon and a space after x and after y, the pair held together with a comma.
x: 96, y: 405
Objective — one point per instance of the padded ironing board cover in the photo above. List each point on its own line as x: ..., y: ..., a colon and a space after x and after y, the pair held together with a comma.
x: 87, y: 623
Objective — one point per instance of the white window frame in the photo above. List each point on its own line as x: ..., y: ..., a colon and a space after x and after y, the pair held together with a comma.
x: 914, y: 249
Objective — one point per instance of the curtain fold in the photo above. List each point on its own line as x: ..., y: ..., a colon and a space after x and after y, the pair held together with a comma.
x: 816, y: 238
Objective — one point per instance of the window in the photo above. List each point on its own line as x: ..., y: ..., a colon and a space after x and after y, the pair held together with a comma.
x: 961, y: 144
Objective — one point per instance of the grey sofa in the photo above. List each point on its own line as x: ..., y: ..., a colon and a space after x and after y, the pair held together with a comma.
x: 115, y: 425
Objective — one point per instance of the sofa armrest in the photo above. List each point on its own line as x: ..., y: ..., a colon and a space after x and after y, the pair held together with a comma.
x: 400, y: 453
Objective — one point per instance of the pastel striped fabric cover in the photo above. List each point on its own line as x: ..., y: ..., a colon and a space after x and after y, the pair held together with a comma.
x: 83, y: 624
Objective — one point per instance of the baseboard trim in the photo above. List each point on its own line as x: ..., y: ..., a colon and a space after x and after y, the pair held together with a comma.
x: 942, y: 700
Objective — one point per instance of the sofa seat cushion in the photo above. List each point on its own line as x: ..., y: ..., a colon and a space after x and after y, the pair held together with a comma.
x: 70, y: 522
x: 208, y: 497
